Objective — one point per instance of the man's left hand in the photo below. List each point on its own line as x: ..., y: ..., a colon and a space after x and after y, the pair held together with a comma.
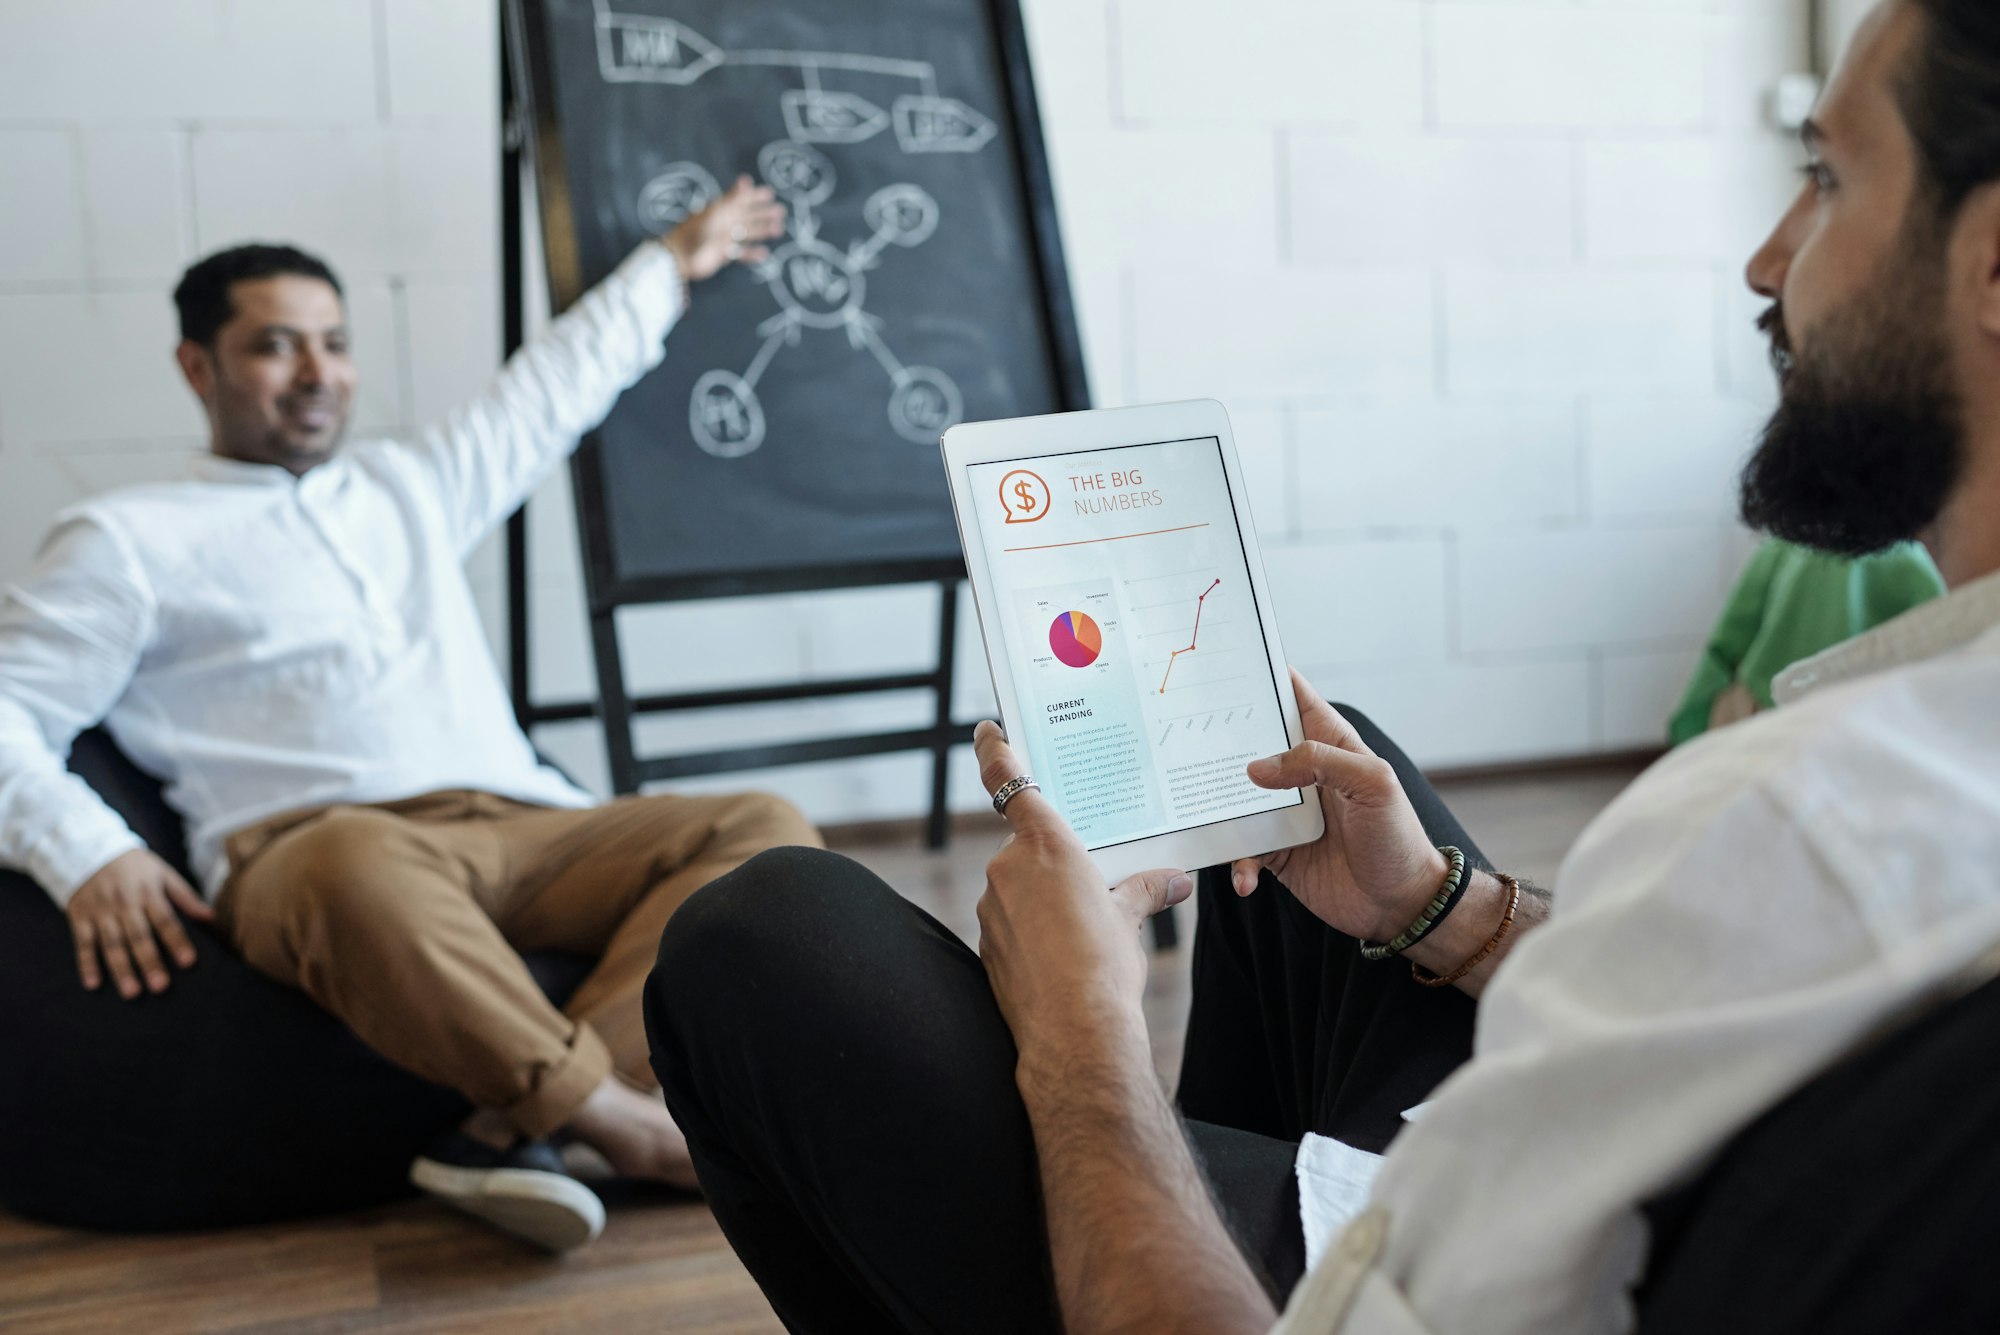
x: 1063, y: 953
x: 731, y: 228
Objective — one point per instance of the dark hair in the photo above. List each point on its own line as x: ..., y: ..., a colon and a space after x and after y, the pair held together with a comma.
x: 202, y: 296
x: 1950, y: 97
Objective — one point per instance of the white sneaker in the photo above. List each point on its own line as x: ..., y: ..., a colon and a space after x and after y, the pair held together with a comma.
x: 521, y: 1190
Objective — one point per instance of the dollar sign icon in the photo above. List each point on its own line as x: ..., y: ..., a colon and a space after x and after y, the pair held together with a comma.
x: 1024, y: 496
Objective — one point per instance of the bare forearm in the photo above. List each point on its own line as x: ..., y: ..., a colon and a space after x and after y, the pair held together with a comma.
x: 1472, y: 924
x: 1136, y: 1240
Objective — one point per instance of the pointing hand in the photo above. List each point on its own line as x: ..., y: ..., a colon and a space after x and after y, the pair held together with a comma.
x: 731, y: 228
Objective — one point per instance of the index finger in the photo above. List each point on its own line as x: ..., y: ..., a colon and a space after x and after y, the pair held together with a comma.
x: 86, y: 954
x: 997, y: 765
x: 1322, y: 722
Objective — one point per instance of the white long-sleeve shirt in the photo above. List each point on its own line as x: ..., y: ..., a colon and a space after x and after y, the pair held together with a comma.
x: 1752, y: 909
x: 264, y: 643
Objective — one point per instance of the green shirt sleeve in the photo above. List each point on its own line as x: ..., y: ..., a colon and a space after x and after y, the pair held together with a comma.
x: 1734, y: 634
x: 1885, y: 586
x: 1792, y: 603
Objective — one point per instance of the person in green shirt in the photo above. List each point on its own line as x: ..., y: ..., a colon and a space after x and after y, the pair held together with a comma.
x: 1791, y: 603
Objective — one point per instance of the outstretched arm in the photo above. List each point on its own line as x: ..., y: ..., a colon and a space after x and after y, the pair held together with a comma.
x: 487, y: 458
x: 1137, y: 1242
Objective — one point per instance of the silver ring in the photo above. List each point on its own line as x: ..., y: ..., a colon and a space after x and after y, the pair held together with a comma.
x: 1012, y: 789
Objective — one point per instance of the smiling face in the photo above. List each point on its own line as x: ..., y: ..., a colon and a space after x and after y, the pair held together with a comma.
x: 1883, y: 327
x: 278, y: 378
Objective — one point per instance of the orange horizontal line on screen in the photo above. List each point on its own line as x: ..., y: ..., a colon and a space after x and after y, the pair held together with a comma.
x: 1117, y: 537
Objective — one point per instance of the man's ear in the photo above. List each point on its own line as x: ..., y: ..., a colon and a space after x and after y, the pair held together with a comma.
x: 198, y: 366
x: 1980, y: 231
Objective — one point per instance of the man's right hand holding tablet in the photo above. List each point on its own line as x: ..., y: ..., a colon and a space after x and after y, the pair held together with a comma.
x: 1374, y: 875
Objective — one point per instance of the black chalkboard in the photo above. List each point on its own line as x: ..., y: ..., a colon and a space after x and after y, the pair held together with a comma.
x: 791, y: 434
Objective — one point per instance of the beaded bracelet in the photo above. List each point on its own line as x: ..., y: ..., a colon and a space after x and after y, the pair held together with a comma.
x: 1429, y: 979
x: 1434, y: 912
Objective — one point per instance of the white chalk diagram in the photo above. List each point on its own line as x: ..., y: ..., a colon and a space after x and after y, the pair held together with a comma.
x: 817, y: 285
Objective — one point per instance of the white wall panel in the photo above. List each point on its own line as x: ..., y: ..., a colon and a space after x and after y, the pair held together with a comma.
x: 91, y: 366
x: 168, y: 60
x: 1266, y: 333
x: 1361, y: 602
x: 42, y: 238
x: 1639, y: 692
x: 1467, y: 274
x: 1427, y: 197
x: 1340, y: 62
x: 1526, y: 591
x: 1431, y: 463
x: 1665, y: 456
x: 1580, y: 329
x: 135, y: 204
x: 1543, y: 66
x: 1472, y: 713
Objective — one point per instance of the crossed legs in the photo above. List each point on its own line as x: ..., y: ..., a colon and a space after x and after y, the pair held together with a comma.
x: 405, y: 921
x: 846, y: 1084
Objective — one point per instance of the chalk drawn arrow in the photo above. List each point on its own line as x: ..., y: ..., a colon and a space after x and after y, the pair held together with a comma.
x: 637, y: 48
x: 816, y: 117
x: 941, y: 125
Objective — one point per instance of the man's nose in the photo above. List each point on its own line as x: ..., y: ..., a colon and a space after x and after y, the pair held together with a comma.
x: 311, y: 371
x: 1772, y: 263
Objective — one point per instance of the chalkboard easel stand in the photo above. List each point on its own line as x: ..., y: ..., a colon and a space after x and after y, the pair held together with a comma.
x: 607, y: 591
x: 616, y: 708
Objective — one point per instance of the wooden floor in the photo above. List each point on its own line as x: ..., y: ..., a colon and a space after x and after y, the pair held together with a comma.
x: 661, y: 1264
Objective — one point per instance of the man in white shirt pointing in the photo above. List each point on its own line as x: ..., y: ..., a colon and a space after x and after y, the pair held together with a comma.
x: 289, y: 642
x: 986, y: 1146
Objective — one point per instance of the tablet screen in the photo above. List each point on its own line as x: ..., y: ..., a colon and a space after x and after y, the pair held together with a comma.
x: 1124, y: 604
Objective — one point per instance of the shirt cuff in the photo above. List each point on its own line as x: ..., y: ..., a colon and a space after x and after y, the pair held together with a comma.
x: 1334, y: 1182
x: 653, y: 285
x: 65, y: 860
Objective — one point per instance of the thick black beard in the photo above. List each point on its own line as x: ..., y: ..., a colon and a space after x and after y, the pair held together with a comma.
x: 1868, y: 442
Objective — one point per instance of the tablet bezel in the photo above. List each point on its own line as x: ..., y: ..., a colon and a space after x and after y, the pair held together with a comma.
x: 1113, y: 428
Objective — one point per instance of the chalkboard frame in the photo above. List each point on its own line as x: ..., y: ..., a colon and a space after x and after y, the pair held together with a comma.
x: 533, y: 137
x: 1055, y: 306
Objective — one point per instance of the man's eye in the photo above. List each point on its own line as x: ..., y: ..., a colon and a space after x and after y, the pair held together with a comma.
x: 1820, y: 175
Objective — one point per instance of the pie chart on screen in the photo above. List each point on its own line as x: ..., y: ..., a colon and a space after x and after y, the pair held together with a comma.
x: 1076, y: 639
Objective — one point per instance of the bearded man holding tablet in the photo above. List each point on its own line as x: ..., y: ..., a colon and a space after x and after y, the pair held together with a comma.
x: 905, y: 1135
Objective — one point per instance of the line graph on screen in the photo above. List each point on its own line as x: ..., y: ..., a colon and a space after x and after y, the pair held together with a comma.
x: 1194, y: 636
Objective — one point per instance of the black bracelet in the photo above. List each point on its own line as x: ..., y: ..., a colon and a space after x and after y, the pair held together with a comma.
x: 1435, y: 912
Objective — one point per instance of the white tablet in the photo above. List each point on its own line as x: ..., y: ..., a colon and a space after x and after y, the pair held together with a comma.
x: 1129, y: 629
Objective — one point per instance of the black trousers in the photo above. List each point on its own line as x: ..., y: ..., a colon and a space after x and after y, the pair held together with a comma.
x: 846, y: 1083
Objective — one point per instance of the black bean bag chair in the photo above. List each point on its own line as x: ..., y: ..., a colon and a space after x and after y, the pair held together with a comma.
x: 1868, y: 1201
x: 227, y: 1100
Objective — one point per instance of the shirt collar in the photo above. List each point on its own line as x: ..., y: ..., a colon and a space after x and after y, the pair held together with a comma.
x: 1935, y: 628
x: 239, y: 472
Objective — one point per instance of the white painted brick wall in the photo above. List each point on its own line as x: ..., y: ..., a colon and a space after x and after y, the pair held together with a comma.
x: 1466, y: 272
x: 1358, y: 199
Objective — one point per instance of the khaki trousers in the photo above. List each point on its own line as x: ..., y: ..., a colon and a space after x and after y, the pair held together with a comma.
x: 405, y: 920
